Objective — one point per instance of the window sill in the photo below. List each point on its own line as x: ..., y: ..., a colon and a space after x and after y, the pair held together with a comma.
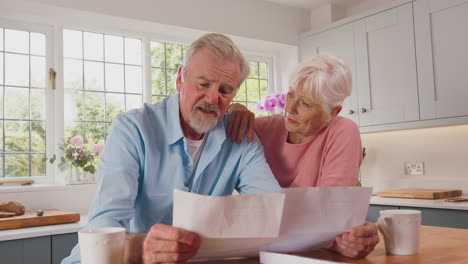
x: 35, y: 187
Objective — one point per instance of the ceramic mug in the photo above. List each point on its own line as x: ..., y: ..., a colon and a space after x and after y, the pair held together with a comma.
x: 102, y: 245
x: 401, y: 231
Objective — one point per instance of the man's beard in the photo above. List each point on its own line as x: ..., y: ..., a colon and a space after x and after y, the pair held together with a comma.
x: 203, y: 124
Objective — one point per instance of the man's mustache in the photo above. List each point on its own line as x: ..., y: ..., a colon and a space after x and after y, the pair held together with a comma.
x: 208, y: 107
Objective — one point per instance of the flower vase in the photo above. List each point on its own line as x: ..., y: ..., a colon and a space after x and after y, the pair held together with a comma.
x: 75, y: 175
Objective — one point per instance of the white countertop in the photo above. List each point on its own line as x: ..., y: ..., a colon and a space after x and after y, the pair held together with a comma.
x: 427, y: 203
x: 28, y: 232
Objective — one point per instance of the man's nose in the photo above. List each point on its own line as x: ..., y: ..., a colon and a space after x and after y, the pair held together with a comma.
x: 212, y: 95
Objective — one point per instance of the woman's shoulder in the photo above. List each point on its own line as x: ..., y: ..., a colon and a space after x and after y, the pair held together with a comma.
x: 341, y: 123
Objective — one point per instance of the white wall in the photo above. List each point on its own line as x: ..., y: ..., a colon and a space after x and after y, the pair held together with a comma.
x: 248, y: 18
x: 444, y: 151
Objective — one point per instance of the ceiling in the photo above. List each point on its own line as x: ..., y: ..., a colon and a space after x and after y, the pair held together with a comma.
x: 316, y: 3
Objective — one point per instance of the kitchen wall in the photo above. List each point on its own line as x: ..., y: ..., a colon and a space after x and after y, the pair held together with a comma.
x: 444, y: 151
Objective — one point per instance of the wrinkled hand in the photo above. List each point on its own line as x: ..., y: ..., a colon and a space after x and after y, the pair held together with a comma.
x: 240, y: 121
x: 359, y: 242
x: 168, y: 244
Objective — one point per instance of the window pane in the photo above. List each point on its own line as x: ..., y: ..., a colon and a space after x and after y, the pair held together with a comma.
x: 16, y: 136
x: 72, y: 44
x: 38, y: 104
x: 253, y: 90
x: 133, y: 79
x: 157, y: 55
x: 115, y: 104
x: 262, y: 70
x: 73, y: 105
x: 16, y: 41
x: 73, y: 129
x: 94, y: 106
x: 1, y: 143
x: 132, y: 51
x: 1, y: 39
x: 93, y: 46
x: 171, y: 78
x: 38, y: 166
x: 73, y: 74
x: 94, y: 133
x: 17, y: 165
x: 17, y: 69
x: 114, y: 77
x: 94, y: 75
x: 38, y: 72
x: 38, y: 137
x: 133, y: 101
x: 253, y: 69
x: 240, y: 96
x: 1, y: 68
x: 17, y: 103
x: 38, y: 44
x: 173, y: 55
x: 1, y: 106
x: 108, y: 128
x: 158, y: 81
x: 114, y: 48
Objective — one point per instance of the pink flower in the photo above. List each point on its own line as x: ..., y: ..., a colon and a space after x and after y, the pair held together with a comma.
x: 98, y: 149
x: 76, y: 140
x: 270, y: 103
x: 260, y: 107
x: 281, y: 99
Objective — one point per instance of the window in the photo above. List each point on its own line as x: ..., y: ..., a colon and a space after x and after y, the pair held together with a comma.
x: 102, y: 78
x: 22, y: 103
x: 103, y: 75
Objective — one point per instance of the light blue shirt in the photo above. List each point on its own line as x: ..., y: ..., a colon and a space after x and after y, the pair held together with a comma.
x: 146, y: 158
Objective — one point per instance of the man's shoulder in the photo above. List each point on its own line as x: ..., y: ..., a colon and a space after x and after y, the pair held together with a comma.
x: 145, y: 113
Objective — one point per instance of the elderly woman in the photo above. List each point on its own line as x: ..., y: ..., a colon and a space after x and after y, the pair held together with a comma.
x: 310, y: 145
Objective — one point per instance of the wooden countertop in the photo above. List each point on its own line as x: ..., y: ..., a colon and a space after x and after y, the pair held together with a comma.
x: 438, y: 245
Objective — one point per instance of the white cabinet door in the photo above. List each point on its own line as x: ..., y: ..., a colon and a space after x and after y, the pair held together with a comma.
x: 339, y: 42
x: 442, y: 48
x: 386, y: 67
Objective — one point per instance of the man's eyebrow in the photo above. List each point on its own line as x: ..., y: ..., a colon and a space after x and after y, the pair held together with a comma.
x: 203, y: 78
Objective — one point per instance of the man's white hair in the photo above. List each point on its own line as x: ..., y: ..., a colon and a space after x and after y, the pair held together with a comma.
x: 222, y: 47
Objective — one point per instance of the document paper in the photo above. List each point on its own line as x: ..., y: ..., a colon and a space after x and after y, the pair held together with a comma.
x: 296, y: 219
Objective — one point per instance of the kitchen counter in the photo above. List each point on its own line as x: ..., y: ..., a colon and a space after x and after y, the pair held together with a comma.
x: 38, y: 231
x: 425, y: 203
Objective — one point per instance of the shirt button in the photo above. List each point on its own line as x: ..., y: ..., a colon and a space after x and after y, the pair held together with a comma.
x: 189, y: 165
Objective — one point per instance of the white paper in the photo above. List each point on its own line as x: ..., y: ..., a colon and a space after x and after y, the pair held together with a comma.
x: 243, y: 225
x: 277, y: 258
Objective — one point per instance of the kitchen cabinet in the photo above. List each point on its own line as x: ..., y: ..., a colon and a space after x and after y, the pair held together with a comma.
x: 45, y: 249
x: 380, y: 50
x: 340, y: 42
x: 386, y: 67
x: 441, y: 42
x: 430, y: 216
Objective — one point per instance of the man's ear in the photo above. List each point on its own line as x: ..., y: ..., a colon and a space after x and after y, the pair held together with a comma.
x: 335, y: 111
x: 179, y: 79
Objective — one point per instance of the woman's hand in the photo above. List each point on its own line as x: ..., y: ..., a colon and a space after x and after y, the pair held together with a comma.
x: 359, y: 242
x: 240, y: 121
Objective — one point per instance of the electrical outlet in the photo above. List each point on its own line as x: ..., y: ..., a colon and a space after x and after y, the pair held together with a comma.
x: 414, y: 168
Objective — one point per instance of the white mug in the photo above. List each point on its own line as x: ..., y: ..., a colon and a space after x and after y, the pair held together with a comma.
x: 102, y: 245
x: 401, y: 231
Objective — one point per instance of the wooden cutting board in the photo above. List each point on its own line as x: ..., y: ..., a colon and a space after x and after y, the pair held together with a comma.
x: 30, y: 218
x: 421, y: 193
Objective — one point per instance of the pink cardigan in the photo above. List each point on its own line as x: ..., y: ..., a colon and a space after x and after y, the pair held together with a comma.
x: 332, y: 158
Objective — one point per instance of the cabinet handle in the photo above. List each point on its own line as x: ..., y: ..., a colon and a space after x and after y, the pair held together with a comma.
x: 363, y: 110
x: 351, y: 112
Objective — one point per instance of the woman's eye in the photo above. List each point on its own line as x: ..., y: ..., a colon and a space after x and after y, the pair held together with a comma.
x: 289, y: 94
x: 306, y: 105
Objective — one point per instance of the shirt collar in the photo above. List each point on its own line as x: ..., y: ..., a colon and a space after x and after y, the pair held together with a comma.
x: 173, y: 119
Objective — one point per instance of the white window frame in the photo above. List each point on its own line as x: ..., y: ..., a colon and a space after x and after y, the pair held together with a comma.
x: 49, y: 93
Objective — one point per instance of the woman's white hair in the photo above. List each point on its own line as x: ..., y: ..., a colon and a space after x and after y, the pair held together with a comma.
x: 222, y: 47
x: 326, y: 78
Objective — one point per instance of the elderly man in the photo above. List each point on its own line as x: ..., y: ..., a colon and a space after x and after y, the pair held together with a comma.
x: 179, y: 143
